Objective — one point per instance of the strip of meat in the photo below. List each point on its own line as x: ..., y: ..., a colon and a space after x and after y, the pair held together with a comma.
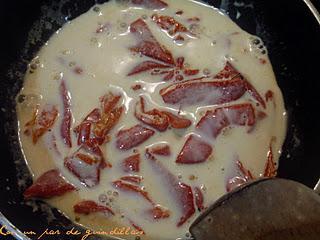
x: 99, y: 122
x: 67, y: 115
x: 153, y: 118
x: 246, y: 175
x: 127, y: 187
x: 133, y: 179
x: 147, y: 44
x: 215, y: 121
x: 110, y: 116
x: 93, y: 117
x: 169, y: 24
x: 191, y: 72
x: 269, y: 96
x: 204, y: 92
x: 270, y: 168
x: 177, y: 121
x: 194, y: 19
x: 159, y: 120
x: 41, y: 123
x: 245, y: 172
x: 106, y: 124
x: 132, y: 163
x: 195, y: 150
x: 199, y: 198
x: 53, y: 144
x: 85, y: 164
x: 146, y: 66
x: 169, y: 75
x: 109, y: 102
x: 180, y: 62
x: 254, y: 93
x: 150, y: 4
x: 227, y: 73
x: 158, y: 213
x: 84, y: 132
x: 137, y: 227
x: 161, y: 149
x: 96, y: 152
x: 87, y: 207
x: 228, y: 85
x: 180, y: 191
x: 50, y: 184
x: 235, y: 182
x: 241, y: 114
x: 136, y: 87
x: 132, y: 137
x: 30, y: 124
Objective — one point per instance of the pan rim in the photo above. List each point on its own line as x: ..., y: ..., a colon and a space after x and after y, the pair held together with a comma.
x: 313, y: 9
x: 15, y: 232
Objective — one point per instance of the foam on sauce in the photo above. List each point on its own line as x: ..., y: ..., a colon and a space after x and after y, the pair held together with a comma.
x: 91, y: 55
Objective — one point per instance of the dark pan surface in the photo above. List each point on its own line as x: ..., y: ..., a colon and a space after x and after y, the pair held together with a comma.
x: 289, y: 30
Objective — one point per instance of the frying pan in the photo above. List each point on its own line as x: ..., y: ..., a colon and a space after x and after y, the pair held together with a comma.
x: 288, y: 28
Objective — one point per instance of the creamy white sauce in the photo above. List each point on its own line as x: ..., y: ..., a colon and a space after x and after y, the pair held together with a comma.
x: 105, y: 61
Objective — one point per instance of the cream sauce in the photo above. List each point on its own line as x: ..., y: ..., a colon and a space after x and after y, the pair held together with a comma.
x: 103, y: 61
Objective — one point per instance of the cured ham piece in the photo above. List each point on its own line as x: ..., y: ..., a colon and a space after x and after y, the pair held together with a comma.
x: 132, y: 137
x: 150, y: 4
x: 169, y: 24
x: 158, y: 119
x: 161, y: 150
x: 159, y: 213
x: 87, y: 207
x: 195, y: 150
x: 153, y: 118
x: 85, y: 164
x: 147, y: 66
x: 132, y: 179
x: 41, y: 123
x: 203, y: 92
x: 199, y: 198
x: 67, y: 115
x: 270, y: 169
x: 215, y: 121
x: 128, y: 187
x: 48, y: 185
x: 181, y: 192
x: 227, y: 73
x: 227, y: 86
x: 132, y: 163
x: 99, y: 122
x: 177, y: 122
x: 245, y: 176
x: 147, y: 44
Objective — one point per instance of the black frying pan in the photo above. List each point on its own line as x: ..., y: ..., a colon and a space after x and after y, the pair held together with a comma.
x: 289, y: 29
